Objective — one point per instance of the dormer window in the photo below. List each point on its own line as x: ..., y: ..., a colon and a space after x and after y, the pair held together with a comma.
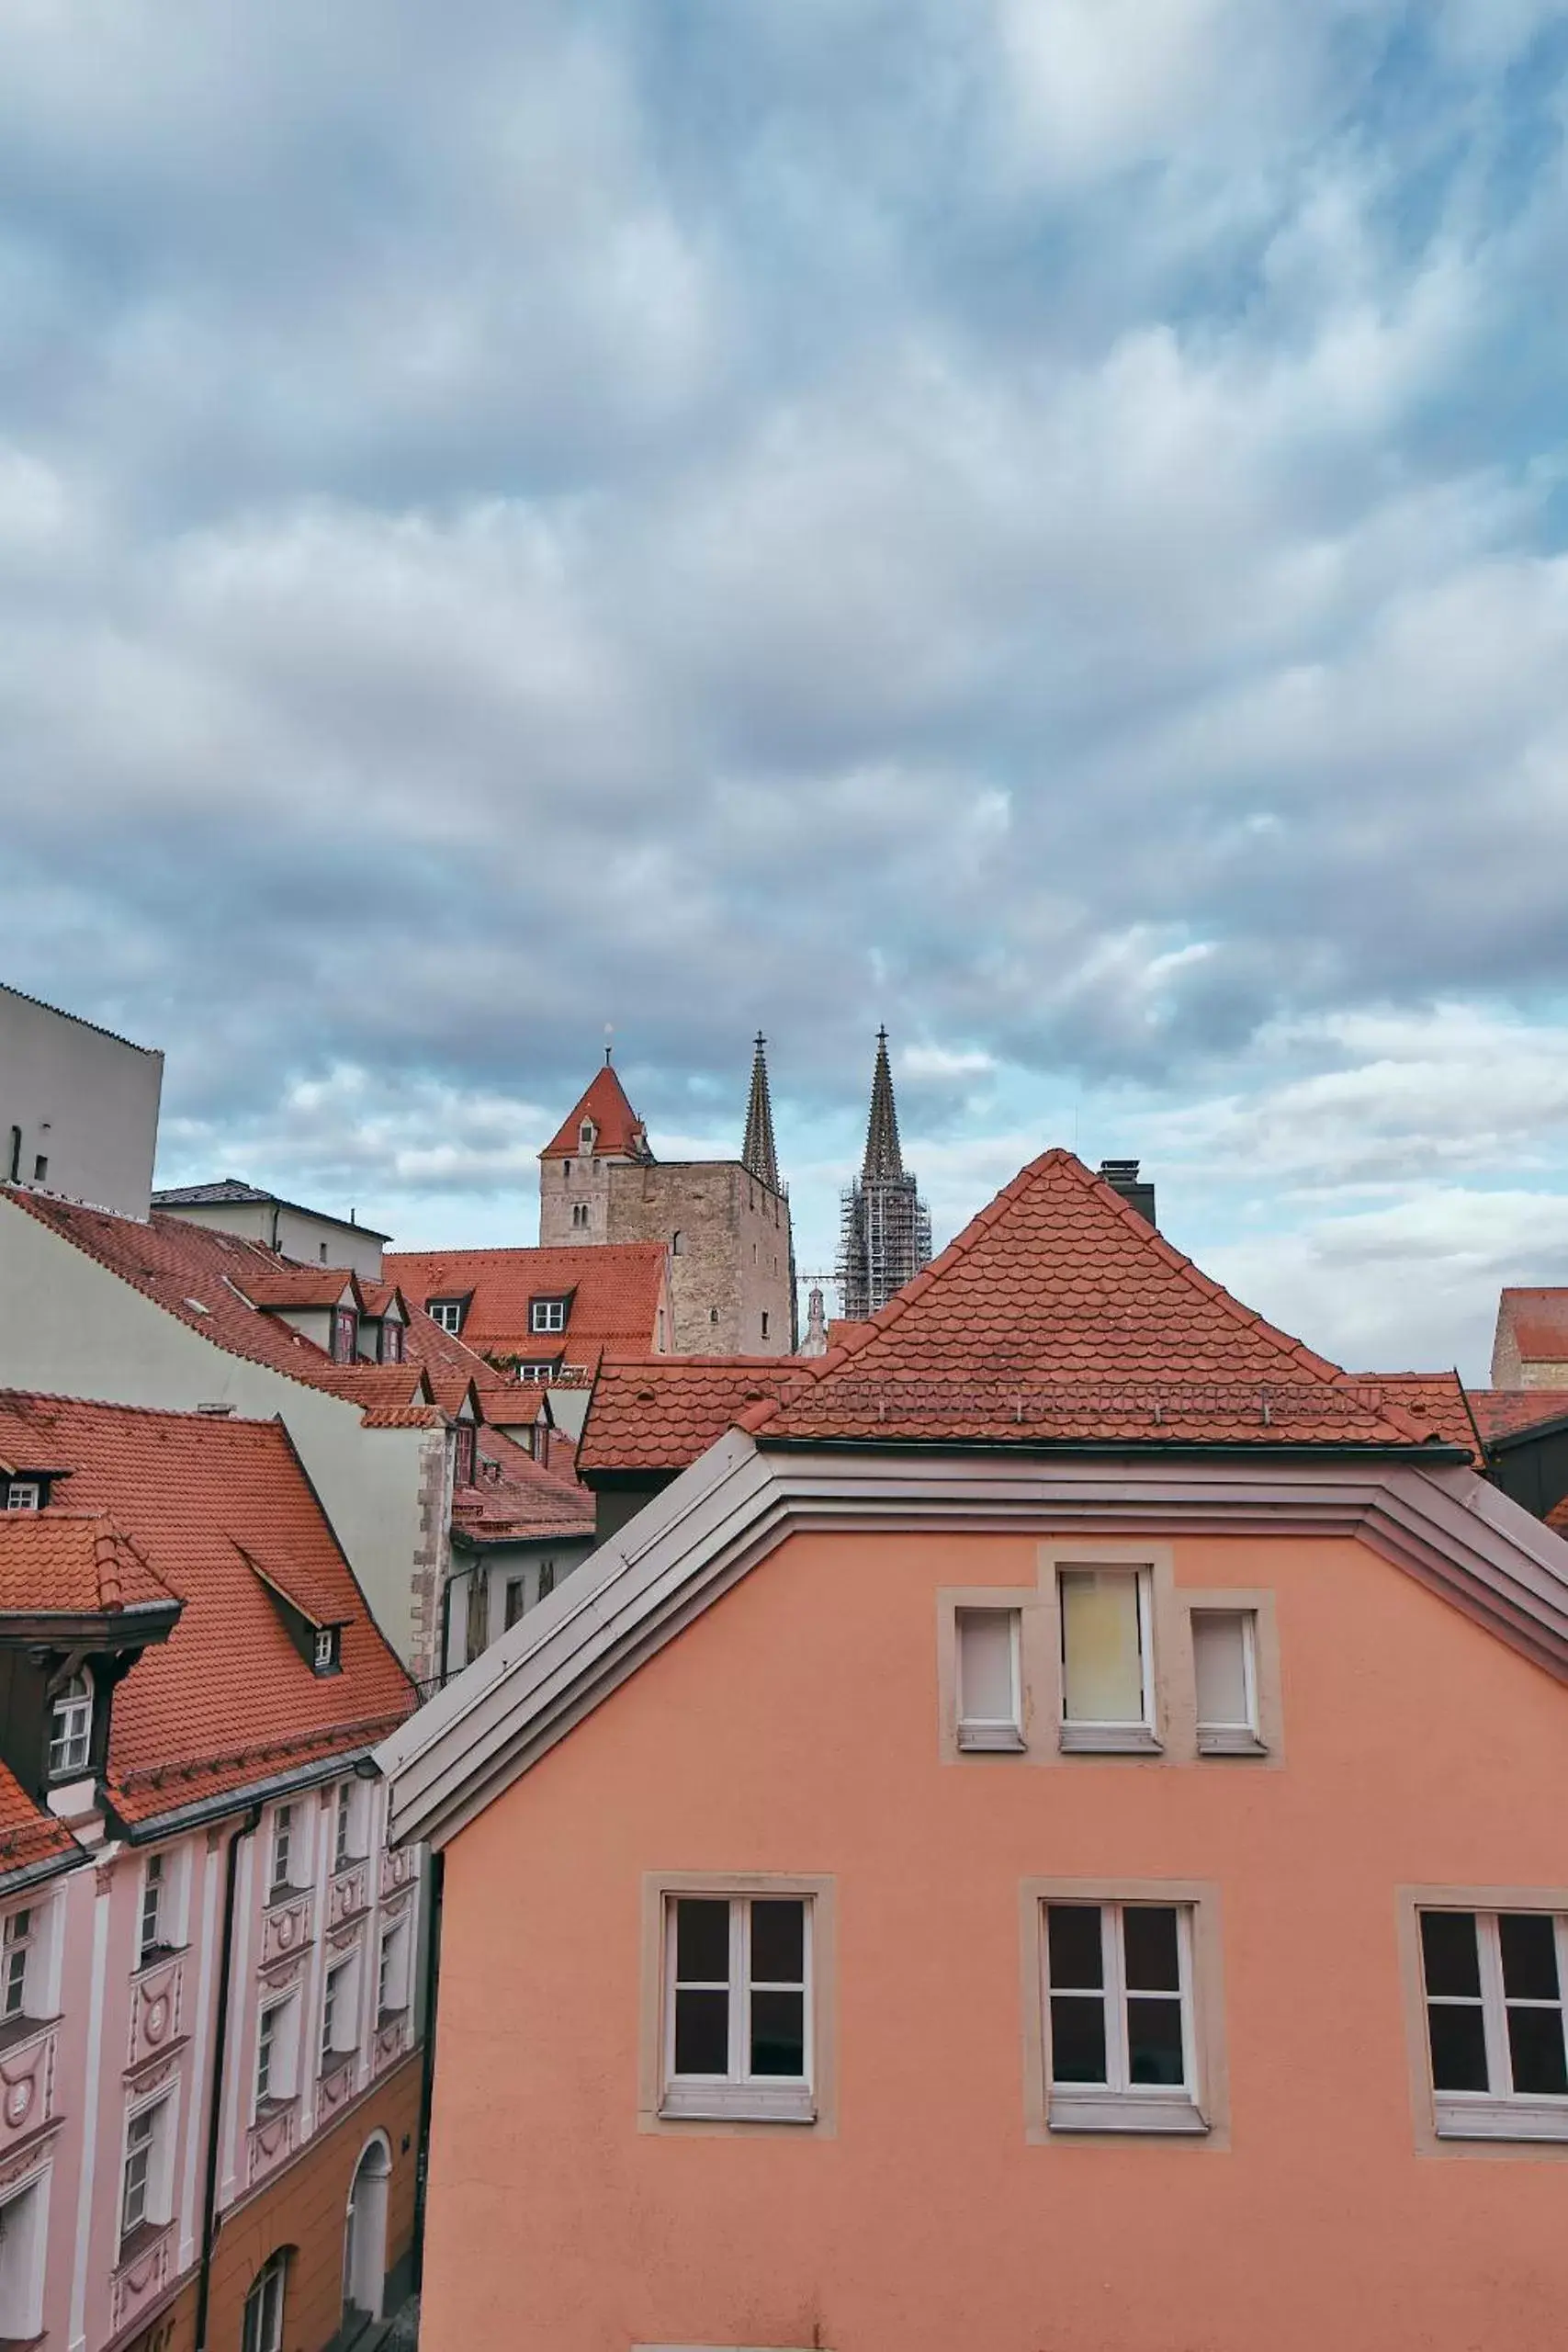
x: 544, y: 1371
x: 345, y: 1334
x: 585, y: 1135
x: 71, y: 1727
x: 324, y: 1657
x: 391, y: 1341
x: 546, y: 1315
x: 23, y: 1494
x: 464, y: 1467
x: 446, y: 1312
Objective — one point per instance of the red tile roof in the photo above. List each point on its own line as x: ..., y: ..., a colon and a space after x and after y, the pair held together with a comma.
x: 661, y: 1412
x: 1059, y: 1314
x: 228, y: 1700
x: 210, y: 1282
x: 620, y: 1133
x: 282, y: 1285
x: 1504, y: 1412
x: 1438, y: 1398
x: 76, y: 1563
x: 615, y: 1291
x: 516, y: 1500
x: 1538, y: 1320
x: 29, y: 1834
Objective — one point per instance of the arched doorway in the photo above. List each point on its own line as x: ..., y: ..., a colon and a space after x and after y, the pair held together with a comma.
x: 365, y: 2239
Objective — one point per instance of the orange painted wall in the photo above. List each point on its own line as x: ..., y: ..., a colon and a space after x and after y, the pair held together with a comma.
x: 794, y: 1728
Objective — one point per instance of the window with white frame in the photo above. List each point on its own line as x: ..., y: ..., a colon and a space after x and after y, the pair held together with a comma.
x: 17, y: 1946
x: 143, y: 2199
x: 990, y: 1694
x: 340, y: 2023
x: 546, y: 1315
x: 738, y: 2007
x: 71, y: 1727
x: 23, y: 1494
x: 1225, y: 1664
x: 392, y: 1970
x: 23, y: 2247
x: 151, y: 1934
x: 287, y: 1837
x: 261, y: 2330
x: 343, y: 1825
x: 1107, y: 1658
x: 1121, y: 2039
x: 1494, y: 1983
x: 324, y: 1655
x: 277, y: 2050
x: 447, y: 1313
x: 544, y: 1371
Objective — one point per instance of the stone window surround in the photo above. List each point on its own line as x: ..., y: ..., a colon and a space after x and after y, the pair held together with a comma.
x: 819, y: 1891
x: 1493, y: 2139
x: 1201, y: 1899
x: 1172, y: 1607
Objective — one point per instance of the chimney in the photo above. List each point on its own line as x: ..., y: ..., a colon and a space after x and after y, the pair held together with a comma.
x: 1123, y: 1176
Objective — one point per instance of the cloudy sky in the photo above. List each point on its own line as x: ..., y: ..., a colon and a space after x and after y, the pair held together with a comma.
x: 1041, y: 522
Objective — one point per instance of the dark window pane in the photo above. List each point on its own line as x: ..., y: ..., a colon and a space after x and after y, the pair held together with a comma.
x: 1459, y: 2048
x: 1530, y: 1955
x: 1148, y: 1937
x: 1448, y: 1950
x: 701, y: 1942
x: 1077, y: 2041
x: 778, y: 2034
x: 1073, y: 1929
x: 1154, y: 2041
x: 702, y: 2033
x: 778, y: 1943
x: 1535, y: 2047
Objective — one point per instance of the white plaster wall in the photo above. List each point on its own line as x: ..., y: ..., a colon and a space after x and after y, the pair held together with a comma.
x: 69, y: 1326
x: 298, y: 1234
x: 88, y: 1102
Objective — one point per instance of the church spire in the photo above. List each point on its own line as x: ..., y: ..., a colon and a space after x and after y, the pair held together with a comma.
x: 882, y: 1156
x: 757, y: 1152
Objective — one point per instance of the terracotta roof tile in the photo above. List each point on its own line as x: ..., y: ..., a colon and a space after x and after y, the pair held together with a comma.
x: 29, y: 1834
x: 1438, y: 1398
x: 76, y: 1563
x: 1538, y: 1321
x: 1059, y: 1314
x: 228, y: 1700
x: 620, y: 1133
x: 1505, y: 1412
x: 661, y: 1412
x: 615, y: 1291
x: 516, y: 1500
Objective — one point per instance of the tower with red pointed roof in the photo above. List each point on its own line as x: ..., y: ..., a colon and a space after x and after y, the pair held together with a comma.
x: 886, y: 1231
x: 725, y: 1222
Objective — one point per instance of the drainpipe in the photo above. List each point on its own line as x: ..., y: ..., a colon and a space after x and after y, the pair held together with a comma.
x: 246, y: 1828
x: 428, y: 2069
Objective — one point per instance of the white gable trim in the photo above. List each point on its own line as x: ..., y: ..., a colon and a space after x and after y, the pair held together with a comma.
x: 1444, y: 1526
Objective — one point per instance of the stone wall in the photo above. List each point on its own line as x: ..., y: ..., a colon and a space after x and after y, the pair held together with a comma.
x: 732, y: 1271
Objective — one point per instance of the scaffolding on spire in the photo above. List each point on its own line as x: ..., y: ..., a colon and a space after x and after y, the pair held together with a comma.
x: 757, y: 1152
x: 885, y: 1229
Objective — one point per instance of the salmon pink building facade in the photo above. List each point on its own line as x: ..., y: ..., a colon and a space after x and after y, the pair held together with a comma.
x: 1046, y: 1835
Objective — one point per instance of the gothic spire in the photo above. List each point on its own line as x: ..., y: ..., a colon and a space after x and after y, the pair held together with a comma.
x: 757, y: 1152
x: 882, y: 1156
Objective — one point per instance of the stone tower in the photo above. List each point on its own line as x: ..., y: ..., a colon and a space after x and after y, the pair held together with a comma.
x: 725, y: 1222
x: 885, y: 1233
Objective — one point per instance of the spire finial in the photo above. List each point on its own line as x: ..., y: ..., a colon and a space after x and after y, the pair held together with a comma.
x: 883, y: 1155
x: 609, y: 1042
x: 757, y: 1152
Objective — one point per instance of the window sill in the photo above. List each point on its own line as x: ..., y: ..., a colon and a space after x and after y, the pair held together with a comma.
x: 1475, y: 2116
x: 991, y: 1739
x: 1088, y: 2109
x: 138, y: 2242
x: 267, y: 2108
x: 738, y: 2103
x: 24, y: 2029
x: 1109, y: 1739
x: 1229, y: 1739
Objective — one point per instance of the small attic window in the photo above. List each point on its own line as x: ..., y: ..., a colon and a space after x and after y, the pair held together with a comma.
x: 345, y: 1334
x: 585, y: 1135
x: 391, y: 1341
x: 327, y: 1656
x: 546, y: 1315
x: 24, y: 1494
x: 446, y: 1312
